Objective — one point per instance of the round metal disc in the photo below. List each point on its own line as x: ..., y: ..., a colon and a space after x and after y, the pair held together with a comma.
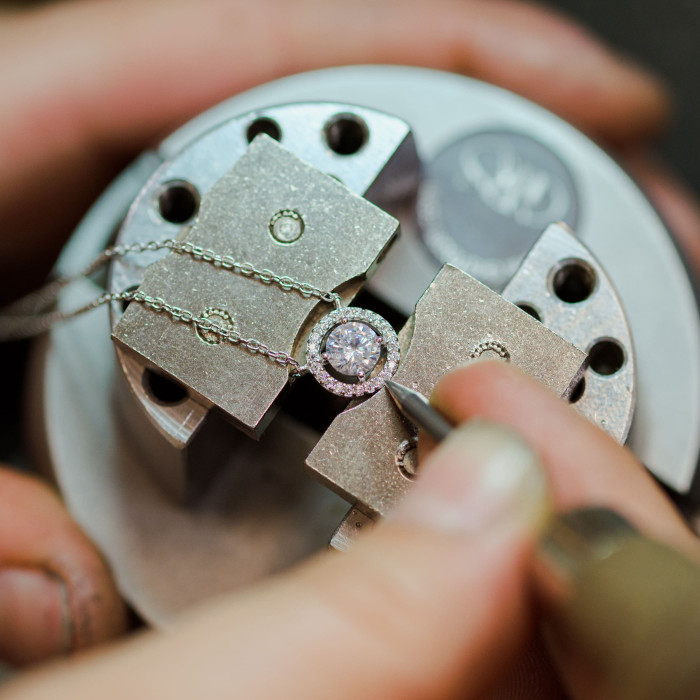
x: 168, y: 557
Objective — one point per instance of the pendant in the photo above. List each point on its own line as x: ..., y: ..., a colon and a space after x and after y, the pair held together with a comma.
x: 352, y: 352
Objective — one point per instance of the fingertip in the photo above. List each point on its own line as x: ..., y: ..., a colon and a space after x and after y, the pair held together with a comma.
x: 585, y: 465
x: 459, y: 394
x: 568, y: 69
x: 43, y: 549
x: 677, y: 204
x: 636, y: 107
x: 36, y: 620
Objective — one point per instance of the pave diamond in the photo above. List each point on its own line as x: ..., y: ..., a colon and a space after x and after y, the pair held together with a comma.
x: 361, y: 340
x: 352, y: 348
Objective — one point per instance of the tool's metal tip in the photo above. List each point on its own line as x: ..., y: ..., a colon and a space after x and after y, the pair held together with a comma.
x: 392, y: 387
x: 400, y: 393
x: 397, y: 391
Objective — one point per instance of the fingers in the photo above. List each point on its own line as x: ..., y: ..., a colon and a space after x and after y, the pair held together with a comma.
x: 56, y: 593
x: 93, y: 82
x: 538, y: 53
x: 584, y: 465
x: 676, y: 203
x: 431, y: 604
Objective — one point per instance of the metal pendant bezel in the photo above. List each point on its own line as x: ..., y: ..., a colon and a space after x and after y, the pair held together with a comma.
x: 316, y: 343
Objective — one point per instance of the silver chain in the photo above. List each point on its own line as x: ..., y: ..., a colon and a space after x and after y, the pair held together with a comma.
x: 29, y: 316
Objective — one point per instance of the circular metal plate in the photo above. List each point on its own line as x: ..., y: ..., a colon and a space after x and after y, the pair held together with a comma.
x: 159, y: 551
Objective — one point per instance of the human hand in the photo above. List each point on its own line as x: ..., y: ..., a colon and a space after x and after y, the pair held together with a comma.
x: 433, y: 603
x: 80, y: 101
x: 89, y: 84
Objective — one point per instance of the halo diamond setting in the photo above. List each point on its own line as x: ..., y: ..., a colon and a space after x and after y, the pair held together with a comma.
x: 352, y: 343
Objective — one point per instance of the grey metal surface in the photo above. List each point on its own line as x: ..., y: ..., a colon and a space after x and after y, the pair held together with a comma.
x: 248, y: 524
x: 201, y: 157
x: 356, y: 456
x: 487, y: 198
x: 607, y: 400
x: 352, y: 526
x: 616, y: 222
x: 99, y: 468
x: 343, y: 237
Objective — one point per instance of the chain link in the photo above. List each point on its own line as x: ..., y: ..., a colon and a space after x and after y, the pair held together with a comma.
x: 228, y: 335
x: 29, y: 316
x: 246, y: 269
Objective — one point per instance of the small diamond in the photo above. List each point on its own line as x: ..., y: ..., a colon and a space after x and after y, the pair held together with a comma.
x: 352, y: 348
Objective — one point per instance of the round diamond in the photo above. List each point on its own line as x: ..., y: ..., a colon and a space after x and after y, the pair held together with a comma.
x: 352, y: 348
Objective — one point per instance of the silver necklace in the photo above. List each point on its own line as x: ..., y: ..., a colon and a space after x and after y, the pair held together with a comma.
x: 350, y: 351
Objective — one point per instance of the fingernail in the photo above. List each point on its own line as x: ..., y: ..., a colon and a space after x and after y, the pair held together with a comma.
x: 482, y: 477
x: 34, y: 616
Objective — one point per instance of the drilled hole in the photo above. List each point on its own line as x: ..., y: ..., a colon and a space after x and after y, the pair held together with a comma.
x: 406, y: 458
x: 163, y: 389
x: 606, y: 357
x: 346, y: 134
x: 264, y: 125
x: 579, y: 391
x: 530, y: 310
x: 178, y: 202
x: 574, y: 281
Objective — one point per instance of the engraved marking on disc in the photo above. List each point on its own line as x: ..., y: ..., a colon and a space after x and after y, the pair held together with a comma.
x: 219, y: 316
x: 406, y: 458
x: 286, y: 226
x: 490, y: 346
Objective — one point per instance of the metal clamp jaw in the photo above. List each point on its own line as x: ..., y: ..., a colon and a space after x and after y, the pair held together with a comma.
x: 363, y: 454
x: 236, y: 509
x: 337, y: 242
x: 337, y: 239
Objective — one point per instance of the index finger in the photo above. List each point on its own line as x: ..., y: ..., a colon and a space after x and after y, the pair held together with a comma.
x: 585, y: 466
x: 91, y: 83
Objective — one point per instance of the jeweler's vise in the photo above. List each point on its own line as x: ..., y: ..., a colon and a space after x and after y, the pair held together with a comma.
x: 271, y: 214
x: 257, y: 462
x: 368, y: 453
x: 362, y: 456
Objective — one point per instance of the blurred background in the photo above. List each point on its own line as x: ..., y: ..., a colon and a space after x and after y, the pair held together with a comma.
x: 665, y: 37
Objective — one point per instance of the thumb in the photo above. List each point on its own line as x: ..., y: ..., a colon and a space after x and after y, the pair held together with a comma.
x: 432, y: 603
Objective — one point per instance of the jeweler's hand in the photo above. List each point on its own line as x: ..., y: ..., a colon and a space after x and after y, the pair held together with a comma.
x: 56, y: 592
x: 86, y: 85
x: 434, y: 603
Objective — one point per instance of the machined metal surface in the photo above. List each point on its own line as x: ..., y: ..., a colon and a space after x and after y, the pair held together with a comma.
x: 606, y: 400
x: 343, y: 237
x: 352, y: 526
x: 613, y: 219
x: 385, y: 169
x: 457, y: 320
x: 257, y: 514
x: 488, y: 196
x: 169, y: 557
x: 592, y: 319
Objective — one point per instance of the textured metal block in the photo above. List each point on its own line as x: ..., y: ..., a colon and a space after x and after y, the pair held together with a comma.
x: 349, y: 530
x: 455, y: 321
x: 607, y: 400
x: 343, y: 236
